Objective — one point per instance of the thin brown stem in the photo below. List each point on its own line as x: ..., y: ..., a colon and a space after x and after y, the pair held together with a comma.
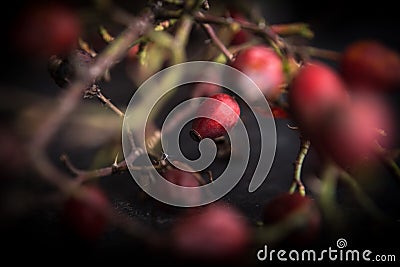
x: 297, y: 183
x: 318, y: 52
x: 85, y: 175
x: 107, y: 102
x: 217, y: 42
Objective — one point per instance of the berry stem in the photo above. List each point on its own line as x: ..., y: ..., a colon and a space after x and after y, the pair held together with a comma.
x: 301, y: 29
x: 297, y: 183
x: 309, y: 51
x: 327, y: 199
x: 388, y: 161
x: 363, y: 199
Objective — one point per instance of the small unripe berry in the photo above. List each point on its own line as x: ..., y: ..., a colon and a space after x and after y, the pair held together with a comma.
x: 215, y: 116
x: 262, y: 65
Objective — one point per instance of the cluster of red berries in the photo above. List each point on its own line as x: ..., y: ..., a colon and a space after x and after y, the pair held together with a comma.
x: 327, y: 105
x: 324, y: 103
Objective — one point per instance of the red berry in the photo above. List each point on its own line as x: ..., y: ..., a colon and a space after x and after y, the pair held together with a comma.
x: 370, y: 65
x: 350, y: 137
x: 216, y: 233
x: 182, y: 178
x: 279, y: 113
x: 86, y: 212
x: 264, y: 67
x: 132, y: 52
x: 240, y: 36
x: 206, y: 89
x: 46, y: 29
x: 216, y: 115
x: 299, y: 213
x: 315, y: 93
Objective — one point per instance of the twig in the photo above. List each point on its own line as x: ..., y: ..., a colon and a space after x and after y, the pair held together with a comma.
x: 73, y: 95
x: 301, y: 29
x: 218, y: 43
x: 388, y: 161
x: 327, y: 197
x: 297, y: 183
x: 109, y: 104
x: 363, y: 199
x: 318, y: 52
x: 83, y: 176
x: 262, y: 29
x: 94, y: 90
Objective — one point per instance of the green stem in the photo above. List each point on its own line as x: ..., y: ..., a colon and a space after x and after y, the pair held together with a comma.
x: 327, y: 197
x: 362, y: 198
x: 388, y: 161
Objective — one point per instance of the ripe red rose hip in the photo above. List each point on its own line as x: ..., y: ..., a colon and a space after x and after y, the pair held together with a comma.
x: 315, y: 93
x: 216, y: 115
x: 299, y: 213
x: 47, y: 29
x: 371, y: 65
x: 350, y: 137
x: 262, y: 65
x: 85, y: 212
x: 213, y: 233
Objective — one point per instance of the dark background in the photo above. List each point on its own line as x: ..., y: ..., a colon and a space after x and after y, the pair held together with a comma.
x: 37, y: 235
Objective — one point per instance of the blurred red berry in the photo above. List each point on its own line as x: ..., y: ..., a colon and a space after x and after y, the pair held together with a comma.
x: 262, y: 65
x: 216, y: 115
x: 182, y: 178
x: 299, y: 213
x: 46, y: 29
x: 371, y: 65
x: 279, y: 113
x: 241, y: 36
x: 215, y: 233
x: 85, y: 212
x: 315, y: 93
x: 350, y: 137
x: 206, y: 89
